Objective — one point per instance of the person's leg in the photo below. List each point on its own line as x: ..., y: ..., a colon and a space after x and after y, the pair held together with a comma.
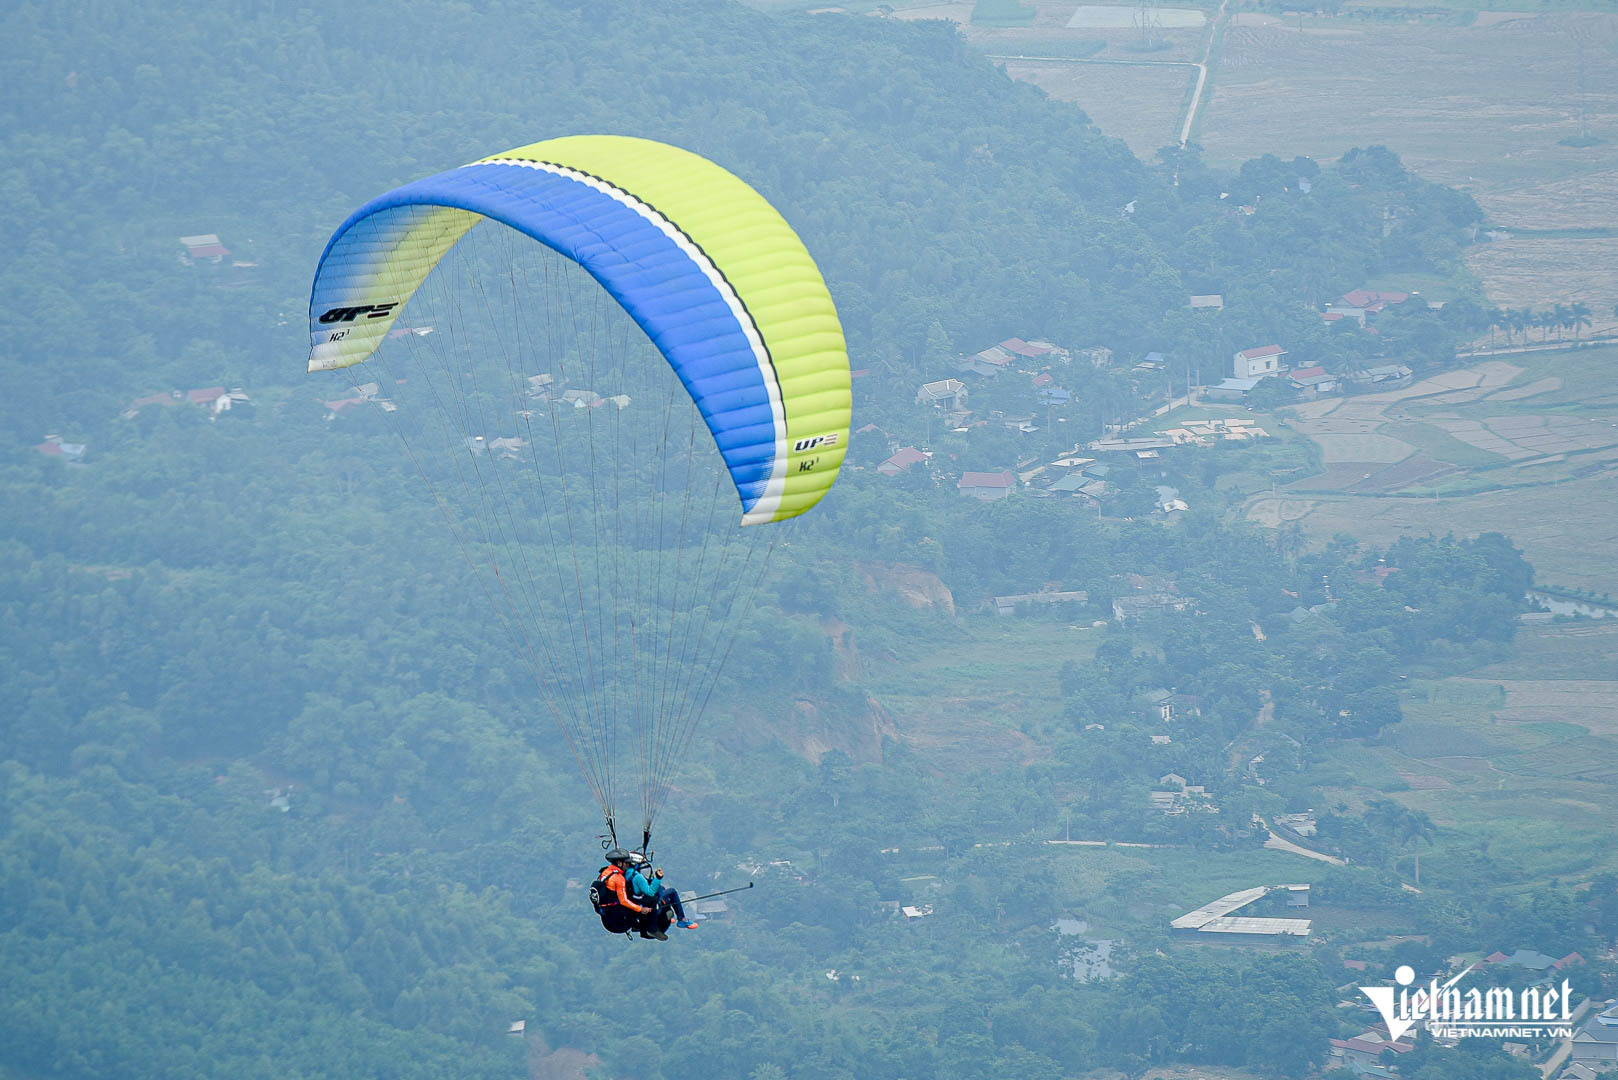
x: 672, y: 900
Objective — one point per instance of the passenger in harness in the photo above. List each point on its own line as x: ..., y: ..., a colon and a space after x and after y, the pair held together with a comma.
x: 646, y: 885
x: 610, y: 896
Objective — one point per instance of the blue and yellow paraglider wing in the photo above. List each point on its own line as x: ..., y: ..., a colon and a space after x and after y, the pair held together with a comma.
x: 714, y: 276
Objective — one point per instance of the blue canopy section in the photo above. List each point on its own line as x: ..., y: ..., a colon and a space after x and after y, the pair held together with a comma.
x: 625, y: 246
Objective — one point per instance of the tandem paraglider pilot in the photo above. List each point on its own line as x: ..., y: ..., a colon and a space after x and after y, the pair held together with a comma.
x: 627, y: 899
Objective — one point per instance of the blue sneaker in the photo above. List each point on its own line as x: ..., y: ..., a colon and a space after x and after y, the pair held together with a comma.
x: 688, y: 926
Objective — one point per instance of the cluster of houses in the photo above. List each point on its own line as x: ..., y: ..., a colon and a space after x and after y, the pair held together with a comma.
x: 1070, y: 475
x: 366, y: 394
x: 1173, y: 796
x: 1250, y: 367
x: 216, y: 401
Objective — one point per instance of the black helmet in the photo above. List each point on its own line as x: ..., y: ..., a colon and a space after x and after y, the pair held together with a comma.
x: 618, y: 856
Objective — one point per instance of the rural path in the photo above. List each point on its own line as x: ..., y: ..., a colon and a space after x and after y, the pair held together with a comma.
x: 1202, y: 74
x: 1215, y: 26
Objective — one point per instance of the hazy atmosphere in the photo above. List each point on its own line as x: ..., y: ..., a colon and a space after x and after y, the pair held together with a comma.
x: 804, y: 541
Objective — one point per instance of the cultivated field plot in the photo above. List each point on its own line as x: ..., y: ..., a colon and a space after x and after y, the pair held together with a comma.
x: 1541, y: 430
x: 1528, y: 390
x: 1577, y: 650
x: 1533, y: 271
x: 1591, y: 704
x: 1140, y: 104
x: 1436, y: 95
x: 1120, y: 17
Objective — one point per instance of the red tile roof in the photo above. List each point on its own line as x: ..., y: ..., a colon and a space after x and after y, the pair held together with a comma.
x: 1001, y: 479
x: 1365, y: 298
x: 901, y: 460
x: 1496, y: 957
x: 1354, y: 965
x: 1262, y: 350
x: 1023, y: 348
x: 1043, y: 379
x: 1308, y: 372
x: 206, y: 396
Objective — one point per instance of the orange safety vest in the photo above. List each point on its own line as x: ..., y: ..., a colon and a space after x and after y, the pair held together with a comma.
x: 612, y: 878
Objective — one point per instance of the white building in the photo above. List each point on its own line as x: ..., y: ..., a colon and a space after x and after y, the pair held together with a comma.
x: 1259, y: 362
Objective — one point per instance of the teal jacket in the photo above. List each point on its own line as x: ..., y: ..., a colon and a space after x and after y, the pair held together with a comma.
x: 639, y: 886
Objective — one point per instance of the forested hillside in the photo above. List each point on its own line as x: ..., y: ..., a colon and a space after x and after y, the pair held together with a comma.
x: 276, y: 800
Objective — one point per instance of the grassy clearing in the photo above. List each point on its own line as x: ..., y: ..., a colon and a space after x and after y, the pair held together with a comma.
x: 1533, y: 798
x: 1161, y: 883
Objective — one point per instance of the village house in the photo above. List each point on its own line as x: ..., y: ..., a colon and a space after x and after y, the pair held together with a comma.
x: 988, y: 487
x: 1596, y: 1043
x: 1229, y: 389
x: 1312, y: 382
x: 53, y: 446
x: 1259, y: 362
x: 1208, y: 302
x: 1034, y: 350
x: 946, y: 394
x: 1385, y: 376
x: 1008, y: 605
x: 1364, y: 1051
x: 902, y: 459
x: 203, y: 247
x: 990, y: 362
x: 1134, y: 607
x: 710, y: 910
x: 1373, y: 301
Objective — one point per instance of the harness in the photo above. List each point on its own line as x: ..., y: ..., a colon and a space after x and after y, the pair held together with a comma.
x: 602, y: 894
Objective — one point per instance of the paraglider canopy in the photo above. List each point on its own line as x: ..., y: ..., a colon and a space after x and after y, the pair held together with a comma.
x: 719, y: 282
